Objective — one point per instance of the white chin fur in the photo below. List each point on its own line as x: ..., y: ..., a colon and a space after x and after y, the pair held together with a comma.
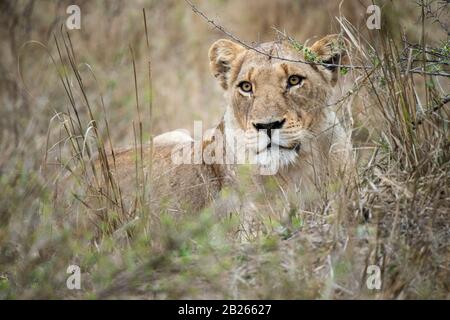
x: 273, y: 159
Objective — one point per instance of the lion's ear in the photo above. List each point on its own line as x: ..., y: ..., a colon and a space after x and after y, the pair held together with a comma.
x: 331, y: 49
x: 222, y: 54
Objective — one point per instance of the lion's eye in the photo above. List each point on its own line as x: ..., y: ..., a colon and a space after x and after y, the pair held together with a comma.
x: 245, y: 86
x: 294, y: 80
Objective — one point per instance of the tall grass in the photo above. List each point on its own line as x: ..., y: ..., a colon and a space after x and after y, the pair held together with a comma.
x: 67, y: 207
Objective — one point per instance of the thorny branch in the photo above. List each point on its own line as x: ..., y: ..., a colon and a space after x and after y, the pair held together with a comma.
x: 438, y: 105
x: 260, y: 51
x: 256, y: 49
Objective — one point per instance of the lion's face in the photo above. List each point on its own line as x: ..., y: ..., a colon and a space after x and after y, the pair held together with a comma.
x: 278, y: 103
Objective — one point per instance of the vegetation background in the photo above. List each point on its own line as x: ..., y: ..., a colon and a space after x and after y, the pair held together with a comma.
x: 395, y: 215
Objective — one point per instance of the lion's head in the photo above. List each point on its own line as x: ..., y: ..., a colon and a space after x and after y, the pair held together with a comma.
x: 268, y: 95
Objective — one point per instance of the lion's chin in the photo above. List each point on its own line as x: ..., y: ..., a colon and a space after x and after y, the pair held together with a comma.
x: 271, y: 160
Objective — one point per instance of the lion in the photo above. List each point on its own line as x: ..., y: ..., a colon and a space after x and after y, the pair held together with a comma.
x: 280, y: 106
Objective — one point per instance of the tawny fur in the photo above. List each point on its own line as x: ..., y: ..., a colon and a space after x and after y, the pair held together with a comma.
x: 323, y: 144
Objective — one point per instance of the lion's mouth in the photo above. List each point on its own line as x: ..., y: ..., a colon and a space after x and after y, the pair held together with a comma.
x: 295, y: 147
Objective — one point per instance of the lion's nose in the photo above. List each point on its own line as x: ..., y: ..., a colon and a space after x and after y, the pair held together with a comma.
x: 269, y: 126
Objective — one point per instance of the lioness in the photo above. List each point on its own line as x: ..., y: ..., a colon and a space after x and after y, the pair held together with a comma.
x: 266, y: 96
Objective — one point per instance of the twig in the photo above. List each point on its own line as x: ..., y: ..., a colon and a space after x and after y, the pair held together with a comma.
x: 256, y: 49
x: 438, y: 105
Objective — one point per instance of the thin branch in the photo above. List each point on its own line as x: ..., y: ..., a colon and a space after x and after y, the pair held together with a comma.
x: 436, y: 107
x: 260, y: 51
x: 256, y: 49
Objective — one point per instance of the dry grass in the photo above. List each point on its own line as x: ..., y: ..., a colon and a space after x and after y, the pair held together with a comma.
x: 96, y: 93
